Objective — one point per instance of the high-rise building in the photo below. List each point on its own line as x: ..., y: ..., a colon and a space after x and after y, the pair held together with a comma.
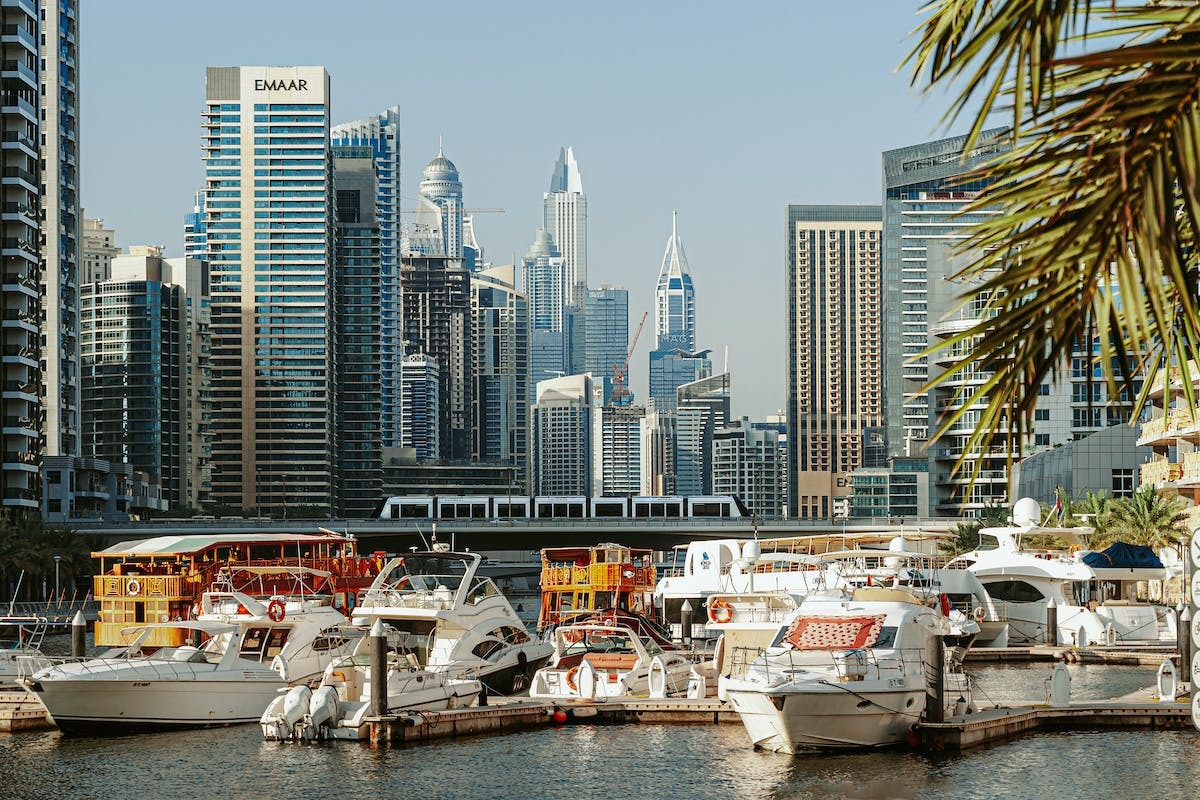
x: 746, y: 464
x: 359, y: 452
x: 606, y: 336
x: 195, y: 237
x: 564, y: 429
x: 547, y: 292
x: 268, y: 216
x: 137, y: 363
x: 702, y: 407
x: 98, y: 250
x: 62, y: 225
x: 21, y: 248
x: 436, y: 296
x: 441, y: 187
x: 923, y: 195
x: 564, y: 213
x: 619, y: 454
x: 381, y: 133
x: 420, y: 406
x: 500, y: 328
x: 673, y: 361
x: 834, y: 349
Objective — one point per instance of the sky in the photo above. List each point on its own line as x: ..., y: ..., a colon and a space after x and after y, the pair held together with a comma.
x: 723, y: 112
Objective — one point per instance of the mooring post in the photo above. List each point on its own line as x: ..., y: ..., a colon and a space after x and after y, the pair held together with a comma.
x: 379, y: 676
x: 685, y: 622
x: 1184, y: 634
x: 1051, y: 623
x: 78, y: 635
x: 935, y: 701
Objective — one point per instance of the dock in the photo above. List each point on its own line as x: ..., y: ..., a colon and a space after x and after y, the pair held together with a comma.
x: 1150, y: 655
x: 21, y: 711
x: 956, y: 733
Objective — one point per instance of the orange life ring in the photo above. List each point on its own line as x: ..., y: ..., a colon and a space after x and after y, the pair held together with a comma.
x: 720, y: 611
x: 571, y: 678
x: 276, y: 611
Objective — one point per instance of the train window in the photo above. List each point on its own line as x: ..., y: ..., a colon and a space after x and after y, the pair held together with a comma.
x: 545, y: 510
x: 478, y: 511
x: 575, y: 510
x: 414, y: 511
x: 672, y: 510
x: 393, y: 511
x: 710, y: 509
x: 608, y: 509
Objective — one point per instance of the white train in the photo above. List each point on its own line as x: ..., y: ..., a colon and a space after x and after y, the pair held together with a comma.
x: 497, y: 507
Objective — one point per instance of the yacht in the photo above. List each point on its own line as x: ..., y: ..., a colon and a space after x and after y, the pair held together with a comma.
x: 1095, y: 594
x: 252, y: 648
x: 850, y: 671
x: 453, y: 620
x: 596, y: 661
x: 339, y: 706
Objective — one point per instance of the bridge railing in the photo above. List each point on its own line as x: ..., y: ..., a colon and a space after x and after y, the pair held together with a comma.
x: 56, y: 612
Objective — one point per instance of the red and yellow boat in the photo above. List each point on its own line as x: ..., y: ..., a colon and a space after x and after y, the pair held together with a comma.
x: 577, y: 581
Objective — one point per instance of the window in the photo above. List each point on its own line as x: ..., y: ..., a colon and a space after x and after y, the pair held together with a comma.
x: 1122, y: 482
x: 1014, y: 592
x: 1041, y: 440
x: 1041, y: 414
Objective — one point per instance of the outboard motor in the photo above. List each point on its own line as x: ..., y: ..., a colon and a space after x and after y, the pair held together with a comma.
x: 323, y: 712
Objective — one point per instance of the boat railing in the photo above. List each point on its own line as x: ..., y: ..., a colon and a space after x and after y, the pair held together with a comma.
x: 845, y: 664
x: 161, y: 666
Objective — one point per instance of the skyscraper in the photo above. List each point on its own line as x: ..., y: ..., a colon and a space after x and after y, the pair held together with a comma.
x: 500, y: 328
x: 619, y: 450
x: 269, y: 221
x: 564, y: 212
x: 381, y: 133
x: 923, y: 194
x: 565, y: 426
x: 62, y: 226
x: 441, y: 187
x: 702, y: 407
x: 606, y: 335
x: 20, y: 231
x: 359, y: 451
x: 546, y: 290
x: 98, y: 250
x: 673, y: 361
x: 420, y: 406
x: 834, y: 349
x: 195, y: 238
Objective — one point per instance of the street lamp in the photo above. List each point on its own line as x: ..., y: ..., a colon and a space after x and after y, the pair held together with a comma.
x: 57, y: 561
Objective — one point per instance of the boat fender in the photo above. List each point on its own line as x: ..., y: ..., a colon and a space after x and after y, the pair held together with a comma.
x: 276, y: 611
x: 979, y: 613
x: 720, y: 611
x: 944, y: 601
x: 1110, y: 635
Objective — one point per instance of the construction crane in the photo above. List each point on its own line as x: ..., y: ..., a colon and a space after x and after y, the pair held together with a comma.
x: 620, y: 393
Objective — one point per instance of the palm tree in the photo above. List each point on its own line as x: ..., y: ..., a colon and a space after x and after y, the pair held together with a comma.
x: 1148, y: 518
x: 1100, y: 193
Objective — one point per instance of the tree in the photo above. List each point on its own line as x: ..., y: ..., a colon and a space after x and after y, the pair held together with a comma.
x: 1148, y: 518
x: 1099, y: 196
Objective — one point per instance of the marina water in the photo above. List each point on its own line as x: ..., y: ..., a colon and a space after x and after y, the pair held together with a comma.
x: 684, y: 762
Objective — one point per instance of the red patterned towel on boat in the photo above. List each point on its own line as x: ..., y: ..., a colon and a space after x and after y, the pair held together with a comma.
x: 833, y: 633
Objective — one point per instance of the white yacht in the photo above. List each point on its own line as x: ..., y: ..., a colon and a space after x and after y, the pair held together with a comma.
x: 254, y: 648
x: 339, y: 706
x: 22, y: 654
x: 454, y: 620
x: 596, y: 661
x: 849, y: 671
x: 1095, y: 593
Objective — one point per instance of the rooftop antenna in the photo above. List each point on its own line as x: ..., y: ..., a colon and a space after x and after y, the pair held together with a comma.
x: 440, y: 146
x: 726, y: 370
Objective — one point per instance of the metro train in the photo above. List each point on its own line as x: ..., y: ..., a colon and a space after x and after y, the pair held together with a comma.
x: 503, y: 507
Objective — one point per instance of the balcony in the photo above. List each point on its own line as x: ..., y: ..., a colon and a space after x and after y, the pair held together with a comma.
x: 1191, y: 469
x: 1160, y: 471
x: 1153, y: 431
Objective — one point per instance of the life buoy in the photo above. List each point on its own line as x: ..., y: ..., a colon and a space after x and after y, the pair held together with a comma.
x: 720, y: 611
x: 979, y: 613
x: 571, y: 673
x: 276, y: 611
x: 133, y: 587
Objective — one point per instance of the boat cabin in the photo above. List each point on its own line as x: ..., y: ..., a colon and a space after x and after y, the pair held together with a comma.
x: 580, y: 580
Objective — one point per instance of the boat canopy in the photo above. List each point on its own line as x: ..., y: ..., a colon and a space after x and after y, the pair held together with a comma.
x: 1120, y: 554
x: 212, y: 628
x: 195, y: 543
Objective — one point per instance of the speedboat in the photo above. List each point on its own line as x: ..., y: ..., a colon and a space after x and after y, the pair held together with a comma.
x: 454, y: 620
x: 252, y: 649
x: 850, y: 672
x: 22, y: 655
x: 339, y: 706
x: 1095, y: 594
x: 594, y: 661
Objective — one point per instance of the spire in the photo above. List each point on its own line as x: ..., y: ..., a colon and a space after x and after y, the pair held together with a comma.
x: 566, y: 177
x: 439, y: 155
x: 674, y: 224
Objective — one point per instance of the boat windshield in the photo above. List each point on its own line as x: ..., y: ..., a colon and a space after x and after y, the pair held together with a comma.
x: 426, y: 573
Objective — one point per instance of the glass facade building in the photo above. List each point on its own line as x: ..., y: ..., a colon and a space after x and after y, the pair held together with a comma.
x: 606, y: 336
x: 268, y: 217
x: 564, y: 217
x: 500, y: 328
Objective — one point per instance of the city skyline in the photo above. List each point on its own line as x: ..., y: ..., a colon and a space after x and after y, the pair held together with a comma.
x: 723, y: 136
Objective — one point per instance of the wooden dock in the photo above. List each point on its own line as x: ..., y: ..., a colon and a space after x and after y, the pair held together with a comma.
x: 20, y: 710
x: 1142, y: 656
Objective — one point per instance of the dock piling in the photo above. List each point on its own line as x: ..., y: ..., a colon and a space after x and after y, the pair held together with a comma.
x: 378, y: 669
x: 935, y: 700
x: 78, y: 636
x: 685, y: 622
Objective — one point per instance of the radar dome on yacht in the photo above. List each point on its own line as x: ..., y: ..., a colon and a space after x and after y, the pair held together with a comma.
x: 751, y: 550
x: 897, y: 544
x: 1026, y: 511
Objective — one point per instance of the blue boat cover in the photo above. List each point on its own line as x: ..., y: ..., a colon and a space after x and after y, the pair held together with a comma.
x: 1121, y: 554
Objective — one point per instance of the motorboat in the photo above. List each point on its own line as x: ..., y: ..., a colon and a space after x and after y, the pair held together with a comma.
x: 851, y: 671
x: 454, y: 620
x: 339, y: 706
x: 597, y: 661
x: 245, y: 650
x: 21, y: 654
x: 1094, y: 594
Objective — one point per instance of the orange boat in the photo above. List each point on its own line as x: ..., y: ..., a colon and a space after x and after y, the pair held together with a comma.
x: 161, y: 579
x: 582, y: 580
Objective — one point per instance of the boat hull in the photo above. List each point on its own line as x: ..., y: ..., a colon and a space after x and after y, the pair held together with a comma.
x: 90, y: 707
x: 512, y: 679
x: 797, y: 720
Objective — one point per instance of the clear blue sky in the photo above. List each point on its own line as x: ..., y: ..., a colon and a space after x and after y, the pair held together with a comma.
x: 724, y: 112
